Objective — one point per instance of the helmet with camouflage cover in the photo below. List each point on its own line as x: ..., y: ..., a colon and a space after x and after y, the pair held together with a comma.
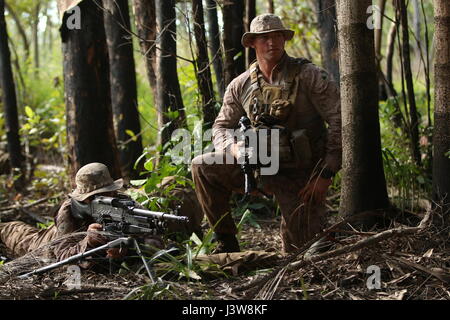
x: 94, y: 178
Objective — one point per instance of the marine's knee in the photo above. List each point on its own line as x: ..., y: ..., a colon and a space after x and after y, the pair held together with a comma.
x: 205, y: 162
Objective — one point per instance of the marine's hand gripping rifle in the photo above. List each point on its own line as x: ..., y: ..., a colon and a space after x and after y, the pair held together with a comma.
x: 247, y: 168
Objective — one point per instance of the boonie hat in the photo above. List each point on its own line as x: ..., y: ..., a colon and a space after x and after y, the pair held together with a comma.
x: 265, y: 23
x: 94, y: 178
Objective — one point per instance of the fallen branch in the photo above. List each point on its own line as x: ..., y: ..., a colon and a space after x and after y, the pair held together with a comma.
x: 300, y: 251
x: 397, y: 232
x: 52, y: 292
x: 303, y: 262
x: 435, y: 272
x: 26, y: 206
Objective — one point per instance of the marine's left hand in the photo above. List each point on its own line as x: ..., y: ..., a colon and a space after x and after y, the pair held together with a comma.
x: 116, y: 253
x: 315, y: 191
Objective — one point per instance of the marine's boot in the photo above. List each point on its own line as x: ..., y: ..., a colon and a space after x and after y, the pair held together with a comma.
x: 226, y: 243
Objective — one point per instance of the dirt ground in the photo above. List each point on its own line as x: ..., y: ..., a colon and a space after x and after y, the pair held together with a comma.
x: 412, y: 266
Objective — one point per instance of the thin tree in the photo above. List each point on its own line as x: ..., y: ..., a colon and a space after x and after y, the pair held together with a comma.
x: 123, y: 84
x: 417, y: 26
x: 398, y: 120
x: 406, y: 62
x: 270, y: 6
x: 202, y: 65
x: 363, y: 180
x: 379, y: 19
x: 35, y: 34
x: 20, y: 29
x: 379, y: 29
x: 9, y: 99
x: 390, y: 53
x: 250, y: 13
x: 145, y: 20
x: 171, y: 113
x: 90, y: 129
x: 326, y: 18
x: 233, y: 28
x: 214, y: 44
x: 441, y: 135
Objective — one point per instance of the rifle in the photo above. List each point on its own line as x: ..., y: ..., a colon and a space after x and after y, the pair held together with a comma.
x: 250, y: 184
x: 120, y: 219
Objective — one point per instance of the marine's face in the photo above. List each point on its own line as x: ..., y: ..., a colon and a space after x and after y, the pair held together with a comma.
x: 269, y: 46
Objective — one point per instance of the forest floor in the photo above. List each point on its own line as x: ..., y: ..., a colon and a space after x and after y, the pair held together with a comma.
x: 412, y: 265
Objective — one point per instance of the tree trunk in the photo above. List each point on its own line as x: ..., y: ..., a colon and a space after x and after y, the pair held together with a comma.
x: 90, y: 129
x: 326, y: 16
x: 441, y: 135
x: 270, y: 6
x: 168, y: 88
x: 417, y: 23
x: 9, y: 98
x: 233, y: 28
x: 379, y: 31
x: 145, y: 15
x: 414, y: 127
x: 203, y: 72
x: 389, y: 85
x: 36, y: 38
x: 382, y: 94
x: 363, y: 180
x: 20, y: 29
x: 214, y: 44
x: 250, y: 14
x: 123, y: 84
x: 390, y: 52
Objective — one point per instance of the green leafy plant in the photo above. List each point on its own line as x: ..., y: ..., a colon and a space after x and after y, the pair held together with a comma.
x: 46, y: 225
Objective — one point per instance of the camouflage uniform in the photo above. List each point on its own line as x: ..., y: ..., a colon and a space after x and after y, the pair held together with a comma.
x: 20, y: 238
x: 315, y: 100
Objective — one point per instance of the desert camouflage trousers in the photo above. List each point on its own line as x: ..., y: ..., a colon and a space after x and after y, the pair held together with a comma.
x: 215, y: 184
x: 20, y: 238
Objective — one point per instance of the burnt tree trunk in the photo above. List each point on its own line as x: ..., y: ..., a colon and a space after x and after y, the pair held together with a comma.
x: 326, y: 14
x: 202, y: 63
x: 250, y: 14
x: 90, y: 129
x: 414, y: 126
x: 171, y: 113
x: 363, y: 179
x: 145, y: 16
x: 233, y: 28
x: 270, y: 6
x: 123, y: 84
x: 9, y: 98
x: 441, y: 135
x: 214, y: 44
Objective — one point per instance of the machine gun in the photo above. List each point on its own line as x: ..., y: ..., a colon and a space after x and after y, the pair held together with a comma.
x: 121, y: 220
x: 119, y: 216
